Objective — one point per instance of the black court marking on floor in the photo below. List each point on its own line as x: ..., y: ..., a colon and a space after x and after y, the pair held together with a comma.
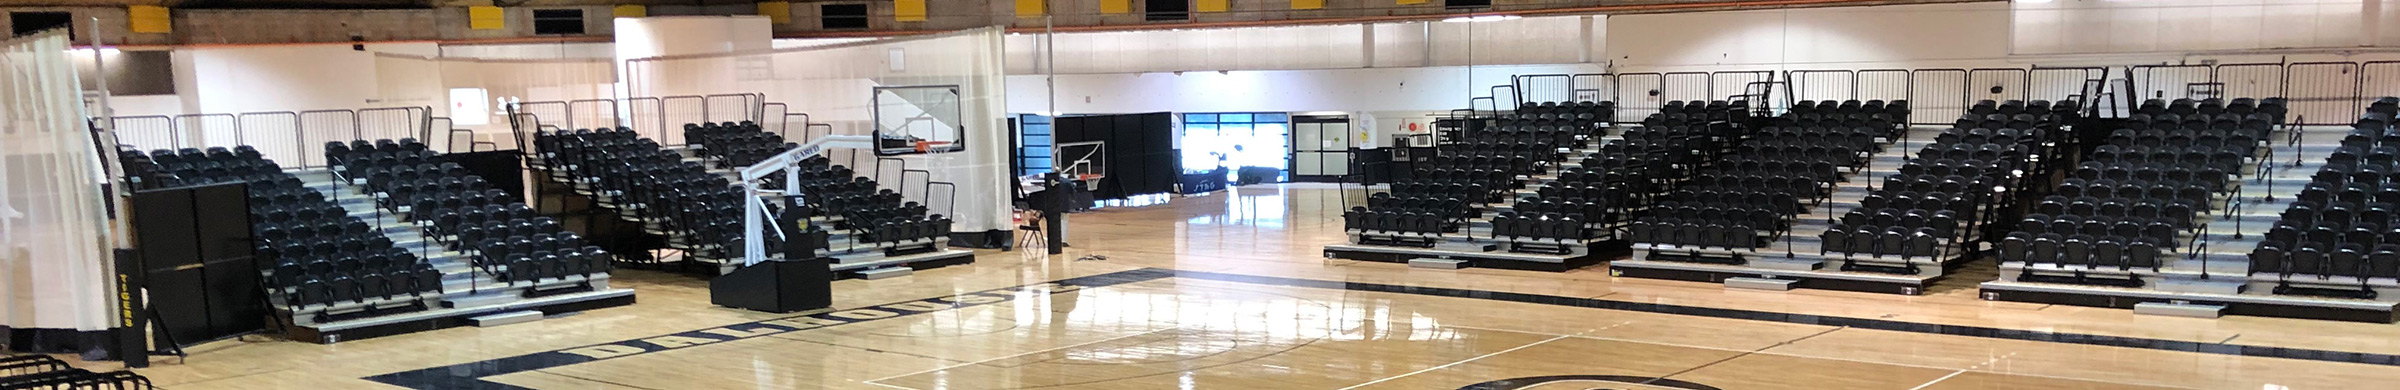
x: 1528, y: 382
x: 1805, y: 319
x: 469, y: 375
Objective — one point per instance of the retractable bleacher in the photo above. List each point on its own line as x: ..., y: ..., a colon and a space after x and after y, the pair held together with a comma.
x: 322, y: 264
x: 2339, y: 238
x: 2261, y: 237
x: 1532, y: 188
x: 2151, y: 187
x: 1766, y: 211
x: 1936, y: 211
x: 341, y: 262
x: 1749, y: 196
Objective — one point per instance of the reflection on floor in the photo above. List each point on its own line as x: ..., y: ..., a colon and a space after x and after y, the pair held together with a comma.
x: 1237, y: 319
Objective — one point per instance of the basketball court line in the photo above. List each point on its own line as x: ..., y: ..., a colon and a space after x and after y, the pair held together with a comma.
x: 1765, y: 351
x: 468, y: 375
x: 879, y: 381
x: 1480, y: 357
x: 1305, y: 344
x: 1826, y: 320
x: 1954, y: 374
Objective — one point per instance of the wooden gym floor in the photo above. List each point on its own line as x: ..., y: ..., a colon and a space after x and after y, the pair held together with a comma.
x: 1230, y: 291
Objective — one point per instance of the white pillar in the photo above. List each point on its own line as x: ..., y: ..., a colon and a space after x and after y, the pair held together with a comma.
x: 2370, y: 22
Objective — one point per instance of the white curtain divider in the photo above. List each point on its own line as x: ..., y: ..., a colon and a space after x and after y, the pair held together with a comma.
x: 53, y: 229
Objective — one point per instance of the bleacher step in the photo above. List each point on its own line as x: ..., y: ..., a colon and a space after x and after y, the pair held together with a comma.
x: 460, y: 280
x: 886, y: 273
x: 2179, y: 310
x: 2214, y: 286
x: 1794, y: 264
x: 1436, y: 263
x: 514, y: 317
x: 1760, y: 284
x: 488, y: 298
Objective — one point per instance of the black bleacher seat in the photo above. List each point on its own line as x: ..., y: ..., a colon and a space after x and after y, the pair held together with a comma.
x: 733, y: 145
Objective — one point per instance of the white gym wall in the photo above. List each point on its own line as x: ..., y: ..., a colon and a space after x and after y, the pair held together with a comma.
x: 1414, y: 66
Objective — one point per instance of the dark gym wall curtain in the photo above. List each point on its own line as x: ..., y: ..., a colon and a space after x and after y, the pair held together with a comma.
x: 1141, y: 153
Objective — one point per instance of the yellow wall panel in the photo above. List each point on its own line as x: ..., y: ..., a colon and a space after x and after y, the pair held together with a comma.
x: 630, y: 11
x: 908, y: 10
x: 1311, y: 4
x: 1408, y: 2
x: 1211, y: 5
x: 1116, y: 6
x: 778, y: 12
x: 1027, y: 8
x: 486, y: 18
x: 149, y: 19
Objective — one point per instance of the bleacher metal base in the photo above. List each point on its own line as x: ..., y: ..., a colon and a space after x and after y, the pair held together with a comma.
x: 1487, y: 255
x: 2236, y: 304
x: 852, y: 268
x: 1433, y: 263
x: 1819, y: 279
x: 509, y: 318
x: 1760, y: 284
x: 371, y: 311
x: 426, y: 320
x: 2179, y: 310
x: 886, y: 273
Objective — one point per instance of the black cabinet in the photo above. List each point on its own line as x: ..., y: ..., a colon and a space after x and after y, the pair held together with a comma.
x: 196, y: 261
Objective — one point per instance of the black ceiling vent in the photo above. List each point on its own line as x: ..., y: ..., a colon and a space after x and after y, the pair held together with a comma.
x: 844, y: 16
x: 1166, y: 10
x: 558, y: 21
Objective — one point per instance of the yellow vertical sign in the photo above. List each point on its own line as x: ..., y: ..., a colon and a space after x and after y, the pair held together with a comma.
x: 1211, y: 5
x: 1309, y: 4
x: 1030, y: 8
x: 149, y: 19
x: 630, y: 11
x: 777, y: 12
x: 1116, y: 6
x: 908, y: 10
x: 484, y: 17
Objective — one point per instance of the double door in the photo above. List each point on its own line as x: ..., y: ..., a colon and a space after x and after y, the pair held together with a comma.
x: 1321, y: 147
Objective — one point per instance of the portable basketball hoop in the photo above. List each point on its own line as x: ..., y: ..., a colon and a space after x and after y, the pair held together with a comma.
x: 918, y: 119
